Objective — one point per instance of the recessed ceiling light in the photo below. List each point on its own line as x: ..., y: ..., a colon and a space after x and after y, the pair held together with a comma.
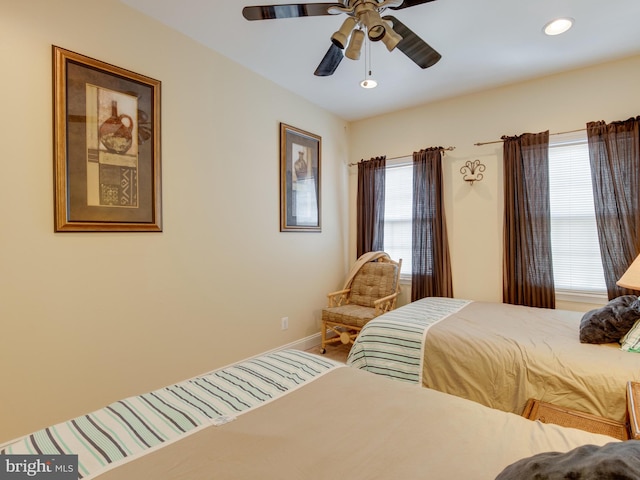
x: 558, y: 26
x: 368, y: 83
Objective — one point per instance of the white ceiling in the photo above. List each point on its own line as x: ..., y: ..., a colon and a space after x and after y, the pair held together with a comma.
x: 483, y: 43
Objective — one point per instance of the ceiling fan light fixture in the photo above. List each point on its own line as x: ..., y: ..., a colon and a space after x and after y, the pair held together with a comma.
x: 558, y: 26
x: 355, y: 45
x: 341, y: 37
x: 391, y: 39
x: 376, y: 27
x: 377, y: 33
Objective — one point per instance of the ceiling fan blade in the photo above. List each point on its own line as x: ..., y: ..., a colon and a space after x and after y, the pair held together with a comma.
x: 330, y: 62
x: 410, y: 3
x: 413, y: 46
x: 292, y: 10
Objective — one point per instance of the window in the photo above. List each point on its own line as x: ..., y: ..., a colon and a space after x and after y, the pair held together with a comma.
x: 577, y: 265
x: 398, y: 212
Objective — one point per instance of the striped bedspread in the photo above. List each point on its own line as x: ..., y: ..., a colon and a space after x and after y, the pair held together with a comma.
x: 392, y: 344
x: 135, y: 426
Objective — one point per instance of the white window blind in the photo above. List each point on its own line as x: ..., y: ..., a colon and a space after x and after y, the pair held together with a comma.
x: 577, y: 268
x: 398, y: 204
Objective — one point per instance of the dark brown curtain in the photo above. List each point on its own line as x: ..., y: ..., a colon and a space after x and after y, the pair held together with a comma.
x: 431, y: 264
x: 527, y: 264
x: 370, y: 205
x: 614, y: 153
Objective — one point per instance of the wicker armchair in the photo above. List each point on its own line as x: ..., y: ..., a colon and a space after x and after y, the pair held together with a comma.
x: 371, y: 290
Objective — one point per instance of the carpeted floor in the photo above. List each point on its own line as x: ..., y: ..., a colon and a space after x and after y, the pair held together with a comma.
x: 338, y: 353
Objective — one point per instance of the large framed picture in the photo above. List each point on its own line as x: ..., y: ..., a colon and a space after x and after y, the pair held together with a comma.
x: 300, y: 154
x: 107, y: 147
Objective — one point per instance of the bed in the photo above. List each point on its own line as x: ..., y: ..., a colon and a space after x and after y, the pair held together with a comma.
x: 293, y: 415
x: 499, y: 355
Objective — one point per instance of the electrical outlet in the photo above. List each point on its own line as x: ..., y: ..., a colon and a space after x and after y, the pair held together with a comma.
x: 284, y: 323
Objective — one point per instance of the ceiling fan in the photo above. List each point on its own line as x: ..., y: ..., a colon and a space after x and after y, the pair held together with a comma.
x: 363, y: 18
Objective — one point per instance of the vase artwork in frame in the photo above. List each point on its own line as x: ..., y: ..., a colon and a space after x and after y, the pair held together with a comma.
x: 300, y: 153
x: 107, y: 147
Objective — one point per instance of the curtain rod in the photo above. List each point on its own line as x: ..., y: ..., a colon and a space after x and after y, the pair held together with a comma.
x: 402, y: 156
x: 556, y: 133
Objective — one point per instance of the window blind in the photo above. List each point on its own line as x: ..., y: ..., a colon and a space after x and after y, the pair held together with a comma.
x: 577, y: 265
x: 398, y: 211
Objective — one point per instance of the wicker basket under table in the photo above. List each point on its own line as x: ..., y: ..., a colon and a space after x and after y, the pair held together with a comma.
x: 566, y: 417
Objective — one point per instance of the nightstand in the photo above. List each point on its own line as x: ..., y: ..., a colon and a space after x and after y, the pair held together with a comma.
x: 566, y: 417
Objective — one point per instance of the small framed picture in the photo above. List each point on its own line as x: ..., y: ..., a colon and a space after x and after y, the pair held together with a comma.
x: 300, y: 154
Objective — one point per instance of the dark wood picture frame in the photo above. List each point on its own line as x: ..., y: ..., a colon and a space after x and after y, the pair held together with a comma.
x: 107, y: 147
x: 300, y: 159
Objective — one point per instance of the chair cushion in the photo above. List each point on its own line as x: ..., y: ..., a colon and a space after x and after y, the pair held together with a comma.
x: 353, y: 315
x: 372, y: 282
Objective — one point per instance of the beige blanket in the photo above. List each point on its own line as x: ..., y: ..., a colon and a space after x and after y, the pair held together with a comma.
x: 351, y: 424
x: 500, y: 355
x: 364, y: 258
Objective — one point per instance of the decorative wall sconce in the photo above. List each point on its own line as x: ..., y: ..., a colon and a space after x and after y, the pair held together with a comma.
x: 472, y: 171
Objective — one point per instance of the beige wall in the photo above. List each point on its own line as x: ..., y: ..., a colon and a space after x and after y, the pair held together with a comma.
x: 474, y: 213
x: 86, y: 318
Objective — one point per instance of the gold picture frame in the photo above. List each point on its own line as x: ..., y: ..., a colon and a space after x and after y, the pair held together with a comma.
x: 107, y: 147
x: 300, y: 159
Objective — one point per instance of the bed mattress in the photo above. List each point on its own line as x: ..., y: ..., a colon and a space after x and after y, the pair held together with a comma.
x: 329, y: 421
x: 500, y: 355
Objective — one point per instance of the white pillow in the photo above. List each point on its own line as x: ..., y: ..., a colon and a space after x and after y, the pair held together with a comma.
x: 631, y: 341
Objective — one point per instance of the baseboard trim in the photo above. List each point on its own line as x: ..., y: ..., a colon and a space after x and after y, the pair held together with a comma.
x: 305, y: 343
x: 302, y: 344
